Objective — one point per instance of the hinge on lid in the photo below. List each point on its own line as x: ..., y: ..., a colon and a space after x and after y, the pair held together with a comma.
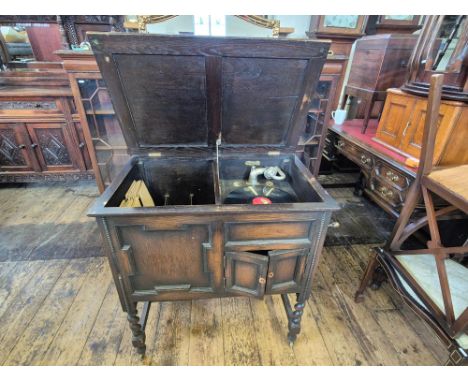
x: 156, y: 154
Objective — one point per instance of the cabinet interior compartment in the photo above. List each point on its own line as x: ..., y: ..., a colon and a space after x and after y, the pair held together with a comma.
x: 234, y: 173
x: 172, y: 182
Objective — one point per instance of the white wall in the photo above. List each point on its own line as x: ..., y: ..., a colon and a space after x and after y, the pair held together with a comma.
x: 300, y: 23
x: 235, y: 26
x: 173, y: 26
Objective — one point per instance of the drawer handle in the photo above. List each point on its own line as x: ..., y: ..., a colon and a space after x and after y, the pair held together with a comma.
x: 81, y: 145
x: 261, y: 280
x: 270, y: 275
x: 34, y: 145
x: 21, y: 146
x: 364, y: 159
x: 408, y: 124
x: 384, y: 191
x: 393, y: 177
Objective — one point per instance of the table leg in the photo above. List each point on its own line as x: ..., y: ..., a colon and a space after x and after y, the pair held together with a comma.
x: 138, y: 334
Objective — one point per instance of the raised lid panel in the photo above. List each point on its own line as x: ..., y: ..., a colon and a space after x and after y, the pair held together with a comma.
x: 187, y: 91
x: 260, y: 96
x: 167, y: 101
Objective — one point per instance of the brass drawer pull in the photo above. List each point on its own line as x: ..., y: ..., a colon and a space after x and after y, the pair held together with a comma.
x: 384, y: 191
x: 261, y: 280
x: 364, y: 159
x: 393, y: 177
x: 270, y: 275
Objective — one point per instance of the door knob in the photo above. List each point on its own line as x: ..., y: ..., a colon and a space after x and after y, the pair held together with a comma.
x: 270, y: 275
x: 261, y: 280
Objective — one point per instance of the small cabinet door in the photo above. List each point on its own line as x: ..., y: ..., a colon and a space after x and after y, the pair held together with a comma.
x: 254, y: 274
x: 395, y: 117
x: 412, y: 135
x: 246, y: 273
x: 285, y: 270
x: 53, y: 146
x: 15, y: 146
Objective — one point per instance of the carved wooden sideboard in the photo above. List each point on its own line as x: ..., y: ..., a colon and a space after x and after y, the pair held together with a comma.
x: 41, y: 137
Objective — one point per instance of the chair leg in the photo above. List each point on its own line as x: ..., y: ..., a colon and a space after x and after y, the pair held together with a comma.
x: 368, y: 274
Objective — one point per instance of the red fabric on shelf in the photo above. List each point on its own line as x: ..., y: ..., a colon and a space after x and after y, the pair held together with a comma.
x: 353, y: 127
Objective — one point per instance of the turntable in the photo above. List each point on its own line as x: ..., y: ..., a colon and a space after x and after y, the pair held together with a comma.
x: 212, y: 125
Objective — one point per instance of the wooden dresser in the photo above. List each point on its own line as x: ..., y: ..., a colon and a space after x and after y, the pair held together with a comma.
x: 41, y: 137
x: 384, y: 179
x: 379, y: 62
x: 402, y: 124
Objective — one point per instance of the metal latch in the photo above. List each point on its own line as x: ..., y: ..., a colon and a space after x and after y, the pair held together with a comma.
x: 156, y: 154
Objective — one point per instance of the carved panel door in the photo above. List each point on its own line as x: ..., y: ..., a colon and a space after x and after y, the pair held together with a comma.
x: 411, y: 141
x: 286, y: 270
x: 396, y: 116
x: 168, y: 258
x: 246, y: 273
x: 15, y: 146
x: 54, y: 147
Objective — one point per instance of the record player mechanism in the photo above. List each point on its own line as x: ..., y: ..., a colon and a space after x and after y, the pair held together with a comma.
x: 257, y: 191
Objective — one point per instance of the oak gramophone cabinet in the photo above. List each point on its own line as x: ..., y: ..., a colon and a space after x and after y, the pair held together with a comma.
x: 212, y: 125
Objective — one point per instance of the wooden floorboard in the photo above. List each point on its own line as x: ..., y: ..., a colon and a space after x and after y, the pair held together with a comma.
x: 59, y: 306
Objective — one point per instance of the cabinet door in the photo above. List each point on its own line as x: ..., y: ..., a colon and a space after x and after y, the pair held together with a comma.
x: 15, y: 146
x: 413, y: 133
x: 53, y: 146
x: 395, y: 117
x: 286, y: 270
x: 163, y: 257
x: 246, y: 273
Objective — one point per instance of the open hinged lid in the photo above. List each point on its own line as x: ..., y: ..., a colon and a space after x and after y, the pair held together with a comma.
x: 186, y: 91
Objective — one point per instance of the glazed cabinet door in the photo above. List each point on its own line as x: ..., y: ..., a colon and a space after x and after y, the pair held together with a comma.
x: 15, y: 149
x: 54, y: 147
x: 246, y: 273
x: 285, y: 271
x: 395, y: 117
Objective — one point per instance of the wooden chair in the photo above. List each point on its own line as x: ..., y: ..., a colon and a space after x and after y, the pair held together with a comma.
x: 432, y: 280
